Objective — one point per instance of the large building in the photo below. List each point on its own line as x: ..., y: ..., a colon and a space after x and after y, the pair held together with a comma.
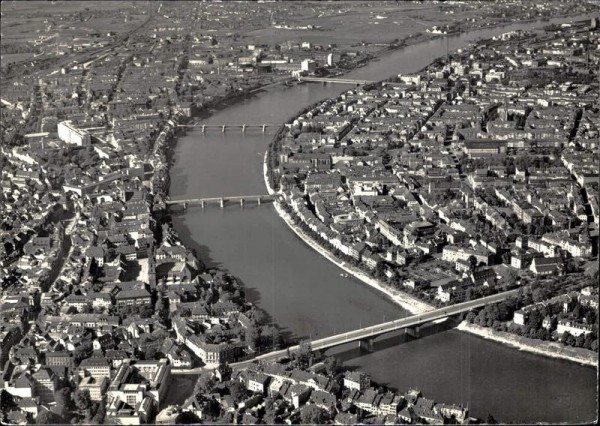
x: 71, y: 134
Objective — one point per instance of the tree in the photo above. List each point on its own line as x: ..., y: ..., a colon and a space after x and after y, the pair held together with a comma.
x: 380, y: 270
x: 82, y: 399
x: 150, y: 353
x: 259, y: 316
x: 64, y: 402
x: 49, y: 418
x: 311, y: 414
x: 100, y: 413
x: 162, y: 309
x: 205, y: 383
x: 332, y: 366
x: 471, y: 316
x: 251, y: 337
x: 237, y: 390
x: 6, y: 400
x: 568, y: 339
x: 539, y: 294
x: 472, y: 263
x: 270, y: 336
x: 304, y: 354
x: 187, y: 417
x: 211, y: 409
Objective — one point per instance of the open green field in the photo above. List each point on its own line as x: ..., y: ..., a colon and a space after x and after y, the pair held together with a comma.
x: 10, y: 58
x: 32, y: 20
x: 348, y: 23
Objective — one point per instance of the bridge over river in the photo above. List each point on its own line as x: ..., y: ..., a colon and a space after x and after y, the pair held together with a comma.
x: 338, y: 80
x: 365, y: 336
x: 241, y: 199
x: 224, y: 127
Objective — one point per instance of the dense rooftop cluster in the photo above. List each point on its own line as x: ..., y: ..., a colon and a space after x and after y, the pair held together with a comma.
x: 95, y: 283
x: 302, y: 390
x: 465, y: 179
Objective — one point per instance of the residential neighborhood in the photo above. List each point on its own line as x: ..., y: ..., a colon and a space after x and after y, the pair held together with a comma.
x: 463, y: 180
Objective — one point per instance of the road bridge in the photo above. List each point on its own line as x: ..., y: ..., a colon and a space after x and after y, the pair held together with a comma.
x: 335, y: 80
x: 224, y: 127
x: 366, y: 336
x: 241, y: 199
x: 346, y: 81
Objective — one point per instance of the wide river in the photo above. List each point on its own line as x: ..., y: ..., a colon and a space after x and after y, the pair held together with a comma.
x: 306, y: 295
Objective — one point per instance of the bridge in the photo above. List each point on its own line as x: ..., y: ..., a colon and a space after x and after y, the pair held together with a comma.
x: 242, y: 199
x: 345, y: 81
x: 224, y: 127
x: 366, y: 336
x: 334, y: 80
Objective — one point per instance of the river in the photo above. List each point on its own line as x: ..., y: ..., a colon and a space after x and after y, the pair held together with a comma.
x: 306, y: 295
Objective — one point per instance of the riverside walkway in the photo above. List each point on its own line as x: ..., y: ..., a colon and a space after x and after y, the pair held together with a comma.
x: 365, y: 336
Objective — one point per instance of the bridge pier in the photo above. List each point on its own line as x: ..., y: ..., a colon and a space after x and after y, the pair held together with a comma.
x: 258, y: 200
x: 184, y: 206
x: 367, y: 344
x: 222, y: 202
x: 242, y: 202
x: 264, y: 128
x: 243, y: 128
x: 202, y: 203
x: 203, y: 128
x: 223, y: 129
x: 413, y: 331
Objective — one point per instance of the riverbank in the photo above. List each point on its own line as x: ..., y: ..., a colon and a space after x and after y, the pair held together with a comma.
x: 539, y: 347
x: 404, y: 300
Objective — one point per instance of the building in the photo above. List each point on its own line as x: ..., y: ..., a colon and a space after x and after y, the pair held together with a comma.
x: 574, y: 328
x: 59, y: 359
x: 546, y: 265
x: 45, y: 384
x: 356, y: 380
x: 211, y: 354
x: 257, y: 382
x: 137, y: 296
x: 95, y: 387
x: 68, y: 133
x: 97, y: 367
x: 308, y: 65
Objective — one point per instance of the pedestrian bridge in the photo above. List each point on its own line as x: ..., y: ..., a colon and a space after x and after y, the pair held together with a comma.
x: 225, y: 127
x: 222, y: 201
